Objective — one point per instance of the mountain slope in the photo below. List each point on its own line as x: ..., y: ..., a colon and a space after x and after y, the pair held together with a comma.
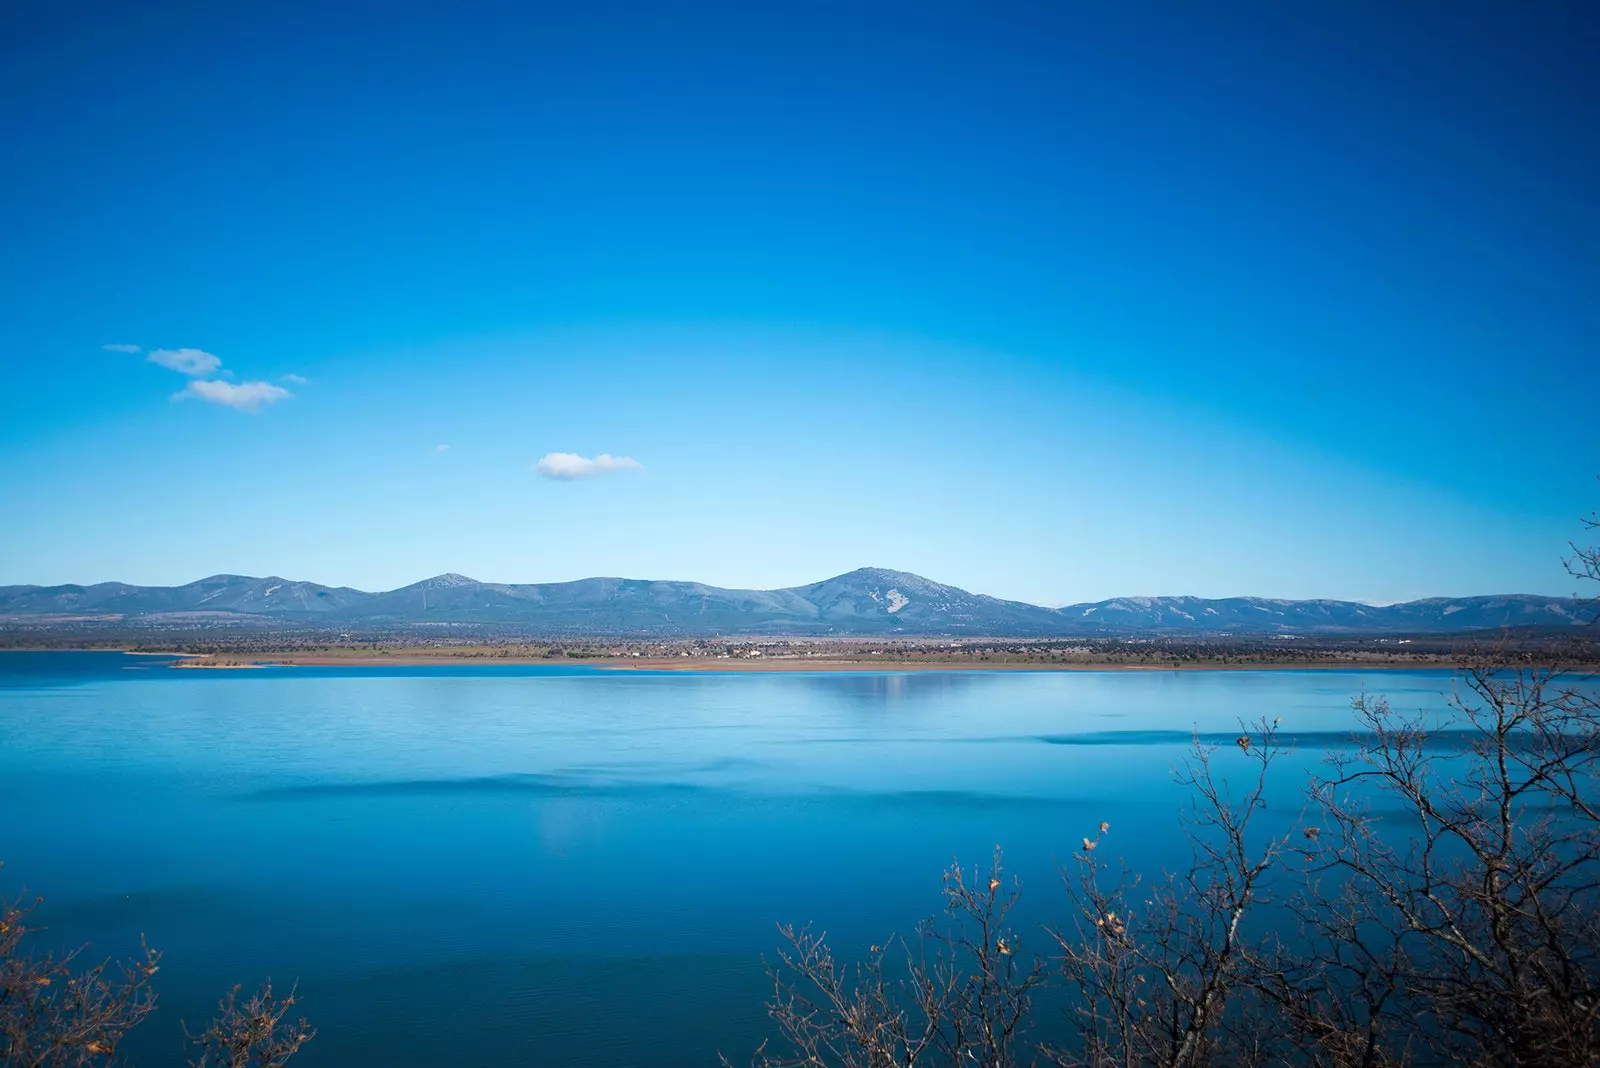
x: 874, y: 599
x: 1263, y: 615
x: 218, y: 593
x: 869, y: 601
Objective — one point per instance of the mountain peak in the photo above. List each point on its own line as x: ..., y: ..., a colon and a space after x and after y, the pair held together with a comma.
x: 882, y: 575
x: 449, y: 580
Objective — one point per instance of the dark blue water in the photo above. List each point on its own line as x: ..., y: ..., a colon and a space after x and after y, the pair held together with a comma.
x: 572, y: 866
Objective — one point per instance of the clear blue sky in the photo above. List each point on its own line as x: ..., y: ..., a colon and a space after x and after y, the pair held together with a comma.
x: 1056, y: 301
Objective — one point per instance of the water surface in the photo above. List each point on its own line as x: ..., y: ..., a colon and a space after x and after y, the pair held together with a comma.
x: 565, y: 865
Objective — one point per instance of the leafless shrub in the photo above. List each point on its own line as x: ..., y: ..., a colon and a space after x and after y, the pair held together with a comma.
x: 251, y: 1035
x: 58, y: 1012
x: 55, y: 1010
x: 1159, y: 976
x: 1585, y: 561
x: 959, y: 994
x: 1485, y: 885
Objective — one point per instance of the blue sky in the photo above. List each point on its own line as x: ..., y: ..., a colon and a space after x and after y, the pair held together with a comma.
x: 1055, y: 302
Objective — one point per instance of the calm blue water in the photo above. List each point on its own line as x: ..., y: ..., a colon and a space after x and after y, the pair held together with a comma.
x: 564, y: 865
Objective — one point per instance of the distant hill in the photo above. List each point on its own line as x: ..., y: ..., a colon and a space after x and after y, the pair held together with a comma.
x: 870, y: 601
x: 1263, y: 615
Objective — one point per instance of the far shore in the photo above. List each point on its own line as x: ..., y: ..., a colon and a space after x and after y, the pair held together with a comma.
x: 887, y: 664
x: 777, y: 665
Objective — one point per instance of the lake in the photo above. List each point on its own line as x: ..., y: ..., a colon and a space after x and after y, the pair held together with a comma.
x: 569, y: 865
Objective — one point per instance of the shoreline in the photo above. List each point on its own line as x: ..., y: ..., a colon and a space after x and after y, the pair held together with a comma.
x: 204, y: 662
x: 780, y: 667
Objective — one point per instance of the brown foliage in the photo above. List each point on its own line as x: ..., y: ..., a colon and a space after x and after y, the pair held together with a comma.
x: 960, y: 993
x: 1152, y: 973
x: 55, y: 1011
x: 252, y: 1035
x: 58, y: 1012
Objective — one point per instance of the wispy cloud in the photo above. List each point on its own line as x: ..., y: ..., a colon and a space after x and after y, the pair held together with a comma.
x: 566, y: 466
x: 186, y: 361
x: 213, y: 382
x: 246, y: 396
x: 440, y: 450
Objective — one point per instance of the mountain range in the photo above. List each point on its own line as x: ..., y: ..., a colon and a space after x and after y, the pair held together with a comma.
x: 869, y: 601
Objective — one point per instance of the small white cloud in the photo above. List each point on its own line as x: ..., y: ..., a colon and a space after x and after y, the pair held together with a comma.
x: 187, y: 361
x: 122, y: 348
x: 293, y: 380
x: 440, y: 450
x: 246, y: 396
x: 566, y: 466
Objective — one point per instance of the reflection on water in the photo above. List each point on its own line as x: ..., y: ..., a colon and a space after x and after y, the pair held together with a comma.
x: 875, y: 688
x: 573, y: 866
